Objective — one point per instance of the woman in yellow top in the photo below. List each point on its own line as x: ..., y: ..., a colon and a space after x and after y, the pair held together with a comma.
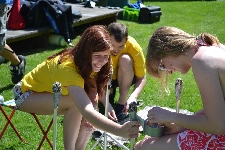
x: 83, y: 72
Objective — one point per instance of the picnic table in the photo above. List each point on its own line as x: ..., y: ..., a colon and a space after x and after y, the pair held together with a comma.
x: 90, y: 16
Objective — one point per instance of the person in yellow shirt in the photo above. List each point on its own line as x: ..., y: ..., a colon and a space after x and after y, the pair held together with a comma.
x: 83, y: 72
x: 128, y: 68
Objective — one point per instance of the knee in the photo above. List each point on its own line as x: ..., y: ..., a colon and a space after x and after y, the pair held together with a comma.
x: 141, y: 145
x: 125, y: 60
x: 137, y: 146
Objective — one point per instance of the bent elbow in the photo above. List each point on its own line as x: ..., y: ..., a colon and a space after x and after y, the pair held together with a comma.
x: 219, y: 130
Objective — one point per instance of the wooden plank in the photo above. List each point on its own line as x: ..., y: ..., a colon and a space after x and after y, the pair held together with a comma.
x: 94, y: 14
x: 18, y: 35
x: 89, y: 15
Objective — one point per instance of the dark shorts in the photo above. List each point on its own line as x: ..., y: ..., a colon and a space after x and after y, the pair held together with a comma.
x: 115, y: 84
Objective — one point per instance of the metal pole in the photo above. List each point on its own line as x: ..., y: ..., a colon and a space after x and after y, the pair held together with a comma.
x: 106, y: 115
x: 178, y: 89
x: 57, y: 92
x: 133, y: 117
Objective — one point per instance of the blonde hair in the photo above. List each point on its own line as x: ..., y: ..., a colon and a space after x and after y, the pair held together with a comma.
x: 170, y: 41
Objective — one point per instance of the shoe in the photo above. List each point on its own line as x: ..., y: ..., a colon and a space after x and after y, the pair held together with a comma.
x: 18, y: 71
x: 1, y: 99
x: 3, y: 60
x: 121, y: 118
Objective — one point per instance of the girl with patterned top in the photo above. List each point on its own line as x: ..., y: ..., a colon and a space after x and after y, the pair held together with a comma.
x: 171, y: 49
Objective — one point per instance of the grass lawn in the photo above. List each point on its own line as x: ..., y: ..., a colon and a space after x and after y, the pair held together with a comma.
x: 192, y: 16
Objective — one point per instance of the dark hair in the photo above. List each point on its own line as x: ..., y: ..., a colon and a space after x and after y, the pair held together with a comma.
x: 94, y: 39
x: 118, y: 30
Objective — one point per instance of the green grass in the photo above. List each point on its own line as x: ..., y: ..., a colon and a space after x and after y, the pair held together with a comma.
x: 193, y: 17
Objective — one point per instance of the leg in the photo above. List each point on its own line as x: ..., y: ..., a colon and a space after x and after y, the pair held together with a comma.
x: 18, y: 63
x: 10, y: 55
x: 71, y: 128
x: 17, y: 66
x: 42, y: 104
x: 83, y: 137
x: 168, y: 142
x: 125, y: 77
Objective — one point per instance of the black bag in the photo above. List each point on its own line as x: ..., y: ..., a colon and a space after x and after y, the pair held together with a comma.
x: 150, y: 14
x: 62, y: 15
x: 76, y: 14
x: 33, y: 15
x: 74, y: 1
x: 51, y: 13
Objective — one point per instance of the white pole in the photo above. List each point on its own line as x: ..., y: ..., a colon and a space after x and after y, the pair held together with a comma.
x: 106, y: 113
x: 57, y: 92
x: 108, y: 86
x: 133, y: 117
x: 132, y: 144
x: 178, y: 88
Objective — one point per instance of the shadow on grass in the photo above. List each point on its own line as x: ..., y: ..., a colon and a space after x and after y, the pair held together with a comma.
x: 11, y: 146
x: 8, y: 87
x: 175, y: 0
x: 33, y: 46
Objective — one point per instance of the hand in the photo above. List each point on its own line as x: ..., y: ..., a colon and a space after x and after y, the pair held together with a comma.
x: 172, y: 128
x: 88, y: 126
x: 130, y: 129
x: 159, y: 115
x: 111, y: 113
x: 126, y: 108
x: 130, y: 100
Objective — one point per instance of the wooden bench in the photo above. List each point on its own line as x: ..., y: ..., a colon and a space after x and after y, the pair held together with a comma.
x: 90, y: 16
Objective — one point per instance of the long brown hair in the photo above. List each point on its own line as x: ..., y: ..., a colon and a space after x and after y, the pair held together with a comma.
x: 94, y: 39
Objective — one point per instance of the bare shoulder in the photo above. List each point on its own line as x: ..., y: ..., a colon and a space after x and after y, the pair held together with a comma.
x: 208, y: 67
x: 209, y: 57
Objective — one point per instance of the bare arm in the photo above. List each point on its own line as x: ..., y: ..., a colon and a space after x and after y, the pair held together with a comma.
x: 85, y: 107
x: 200, y: 112
x: 209, y: 72
x: 206, y: 68
x: 111, y: 112
x: 138, y: 87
